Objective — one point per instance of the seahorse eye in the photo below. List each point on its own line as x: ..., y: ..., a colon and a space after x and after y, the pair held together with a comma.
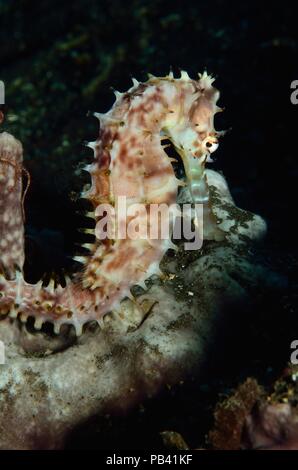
x: 211, y: 144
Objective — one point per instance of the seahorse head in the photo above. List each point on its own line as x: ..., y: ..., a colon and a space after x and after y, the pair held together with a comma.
x: 193, y: 133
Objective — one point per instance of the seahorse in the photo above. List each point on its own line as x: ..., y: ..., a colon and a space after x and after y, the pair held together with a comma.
x: 129, y: 160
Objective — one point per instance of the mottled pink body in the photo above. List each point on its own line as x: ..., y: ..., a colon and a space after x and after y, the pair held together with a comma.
x: 11, y: 210
x: 129, y: 160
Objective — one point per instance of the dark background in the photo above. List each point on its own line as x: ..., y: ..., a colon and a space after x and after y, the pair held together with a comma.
x: 58, y: 60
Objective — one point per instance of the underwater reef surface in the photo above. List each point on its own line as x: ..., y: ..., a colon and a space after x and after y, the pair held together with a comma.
x: 60, y: 67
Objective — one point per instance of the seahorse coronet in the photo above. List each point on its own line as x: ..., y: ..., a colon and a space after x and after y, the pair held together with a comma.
x: 129, y: 161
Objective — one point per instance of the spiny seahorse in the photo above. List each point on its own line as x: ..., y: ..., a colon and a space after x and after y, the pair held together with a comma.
x: 129, y: 160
